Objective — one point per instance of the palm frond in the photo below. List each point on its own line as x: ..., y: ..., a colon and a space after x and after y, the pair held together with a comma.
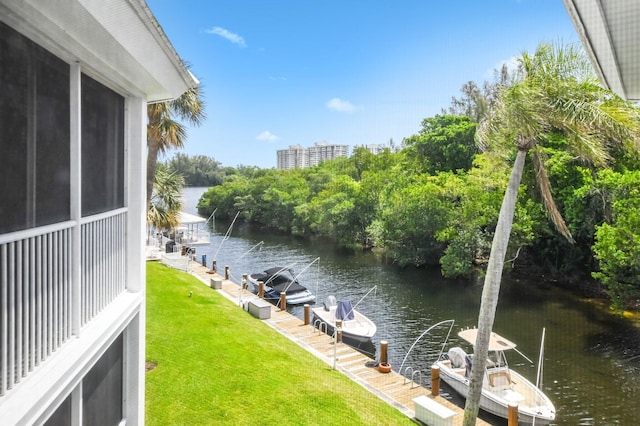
x: 542, y: 178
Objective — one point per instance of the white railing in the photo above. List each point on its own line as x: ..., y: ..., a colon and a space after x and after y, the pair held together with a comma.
x: 37, y: 287
x: 103, y: 262
x: 35, y: 302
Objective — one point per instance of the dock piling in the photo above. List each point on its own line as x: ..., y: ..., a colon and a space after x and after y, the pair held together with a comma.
x: 384, y: 347
x: 512, y: 414
x: 213, y: 266
x: 226, y: 272
x: 261, y: 289
x: 283, y: 301
x: 435, y: 380
x: 339, y: 330
x: 244, y: 279
x: 307, y: 311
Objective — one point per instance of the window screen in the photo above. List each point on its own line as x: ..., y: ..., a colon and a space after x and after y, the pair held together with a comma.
x: 102, y: 389
x: 34, y: 140
x: 102, y: 148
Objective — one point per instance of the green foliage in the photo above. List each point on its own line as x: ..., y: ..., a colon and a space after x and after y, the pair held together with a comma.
x: 617, y: 245
x: 198, y: 170
x: 469, y: 231
x: 411, y: 216
x: 166, y: 200
x: 445, y: 143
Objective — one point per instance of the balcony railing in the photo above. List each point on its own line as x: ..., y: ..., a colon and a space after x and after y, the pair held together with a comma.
x: 103, y: 262
x: 37, y: 287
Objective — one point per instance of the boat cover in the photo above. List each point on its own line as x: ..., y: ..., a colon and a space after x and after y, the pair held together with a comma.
x: 344, y: 311
x: 279, y: 279
x: 288, y: 286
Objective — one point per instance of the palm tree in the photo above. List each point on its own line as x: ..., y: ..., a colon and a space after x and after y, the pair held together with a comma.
x: 164, y: 132
x: 554, y: 91
x: 166, y: 202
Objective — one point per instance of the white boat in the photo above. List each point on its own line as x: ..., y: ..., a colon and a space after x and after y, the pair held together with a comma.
x: 355, y: 326
x: 501, y: 386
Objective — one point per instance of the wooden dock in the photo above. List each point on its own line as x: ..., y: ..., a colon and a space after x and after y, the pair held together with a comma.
x: 392, y: 387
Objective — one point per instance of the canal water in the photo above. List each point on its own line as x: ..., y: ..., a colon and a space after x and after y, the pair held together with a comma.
x: 591, y: 358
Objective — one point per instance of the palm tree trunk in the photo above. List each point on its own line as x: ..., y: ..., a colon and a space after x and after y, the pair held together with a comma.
x: 152, y: 161
x: 491, y: 289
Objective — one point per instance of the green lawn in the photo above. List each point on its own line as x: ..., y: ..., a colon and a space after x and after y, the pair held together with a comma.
x: 217, y: 364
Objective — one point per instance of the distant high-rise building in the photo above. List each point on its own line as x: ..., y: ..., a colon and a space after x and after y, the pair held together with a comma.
x: 322, y: 151
x: 298, y: 157
x: 292, y: 158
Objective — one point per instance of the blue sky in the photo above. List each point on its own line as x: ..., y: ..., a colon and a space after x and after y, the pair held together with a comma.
x: 353, y: 72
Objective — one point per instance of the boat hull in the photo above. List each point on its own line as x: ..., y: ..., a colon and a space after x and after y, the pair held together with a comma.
x: 497, y: 402
x: 359, y: 330
x: 297, y: 298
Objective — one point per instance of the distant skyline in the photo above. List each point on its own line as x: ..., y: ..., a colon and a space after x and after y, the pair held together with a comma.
x: 284, y: 72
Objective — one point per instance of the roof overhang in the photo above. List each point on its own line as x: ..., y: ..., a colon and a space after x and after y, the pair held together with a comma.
x: 117, y: 42
x: 610, y: 33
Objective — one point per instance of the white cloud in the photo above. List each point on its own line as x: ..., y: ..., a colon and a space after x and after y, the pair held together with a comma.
x: 339, y: 105
x: 232, y: 37
x: 511, y: 63
x: 267, y: 136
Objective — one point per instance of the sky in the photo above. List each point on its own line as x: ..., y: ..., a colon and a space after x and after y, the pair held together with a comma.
x: 277, y: 73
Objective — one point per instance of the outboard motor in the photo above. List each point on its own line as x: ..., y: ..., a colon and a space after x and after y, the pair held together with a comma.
x: 329, y: 302
x: 457, y: 356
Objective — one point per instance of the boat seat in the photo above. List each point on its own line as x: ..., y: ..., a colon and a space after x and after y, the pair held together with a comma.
x: 500, y: 380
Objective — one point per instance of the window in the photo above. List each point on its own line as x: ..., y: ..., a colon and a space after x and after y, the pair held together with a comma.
x: 102, y: 148
x: 62, y: 415
x: 34, y: 140
x: 102, y: 395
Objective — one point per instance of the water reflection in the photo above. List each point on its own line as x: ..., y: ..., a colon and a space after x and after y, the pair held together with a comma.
x: 592, y: 359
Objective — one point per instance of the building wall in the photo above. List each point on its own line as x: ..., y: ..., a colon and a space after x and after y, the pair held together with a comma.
x: 71, y: 242
x: 298, y: 157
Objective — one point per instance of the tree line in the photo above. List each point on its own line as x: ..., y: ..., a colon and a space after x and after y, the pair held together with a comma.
x: 436, y: 201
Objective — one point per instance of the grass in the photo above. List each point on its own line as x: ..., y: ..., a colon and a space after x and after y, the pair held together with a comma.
x: 216, y: 364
